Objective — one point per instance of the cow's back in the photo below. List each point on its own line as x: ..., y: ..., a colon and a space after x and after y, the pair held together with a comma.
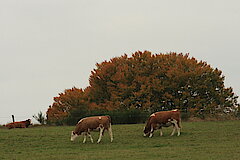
x: 10, y: 125
x: 93, y: 123
x: 20, y: 125
x: 164, y: 116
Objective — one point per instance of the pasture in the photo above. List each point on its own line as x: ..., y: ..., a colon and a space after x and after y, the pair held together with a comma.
x: 198, y: 141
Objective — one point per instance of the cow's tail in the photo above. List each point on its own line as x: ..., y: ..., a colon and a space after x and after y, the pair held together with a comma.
x: 110, y: 128
x: 179, y: 122
x: 110, y: 120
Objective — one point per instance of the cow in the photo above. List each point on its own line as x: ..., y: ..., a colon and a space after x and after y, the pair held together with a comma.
x: 20, y: 124
x: 85, y: 125
x: 163, y: 119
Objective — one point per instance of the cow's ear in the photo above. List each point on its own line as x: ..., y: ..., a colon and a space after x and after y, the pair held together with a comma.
x: 73, y: 133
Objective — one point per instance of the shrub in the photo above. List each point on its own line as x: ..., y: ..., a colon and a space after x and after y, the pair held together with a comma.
x: 132, y: 116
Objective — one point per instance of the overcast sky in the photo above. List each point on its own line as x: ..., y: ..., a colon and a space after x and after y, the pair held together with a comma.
x: 47, y: 46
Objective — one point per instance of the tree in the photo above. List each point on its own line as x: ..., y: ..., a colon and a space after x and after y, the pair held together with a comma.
x: 66, y: 104
x: 146, y: 82
x: 156, y: 82
x: 40, y: 117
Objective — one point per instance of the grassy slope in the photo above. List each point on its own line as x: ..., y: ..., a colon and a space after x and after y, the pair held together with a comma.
x: 199, y: 140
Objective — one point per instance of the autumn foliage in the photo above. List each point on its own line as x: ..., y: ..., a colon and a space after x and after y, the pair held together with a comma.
x: 67, y: 102
x: 149, y: 82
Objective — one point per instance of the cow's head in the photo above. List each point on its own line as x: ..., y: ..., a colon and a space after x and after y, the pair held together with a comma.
x: 28, y: 122
x: 146, y: 131
x: 147, y: 128
x: 73, y: 136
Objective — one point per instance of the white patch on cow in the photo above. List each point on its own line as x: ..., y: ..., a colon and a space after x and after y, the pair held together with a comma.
x: 73, y: 136
x: 99, y: 118
x: 80, y: 121
x: 174, y: 121
x: 175, y: 110
x: 151, y: 132
x: 153, y: 115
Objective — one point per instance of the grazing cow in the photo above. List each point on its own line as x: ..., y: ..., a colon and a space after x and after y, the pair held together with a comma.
x: 88, y: 124
x: 21, y: 124
x: 163, y: 119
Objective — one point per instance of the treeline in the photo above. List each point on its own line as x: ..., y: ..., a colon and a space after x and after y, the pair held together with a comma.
x: 130, y: 88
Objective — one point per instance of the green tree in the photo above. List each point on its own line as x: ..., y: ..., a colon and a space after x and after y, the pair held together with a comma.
x: 40, y: 117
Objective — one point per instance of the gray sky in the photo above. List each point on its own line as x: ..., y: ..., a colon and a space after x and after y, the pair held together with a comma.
x: 47, y: 46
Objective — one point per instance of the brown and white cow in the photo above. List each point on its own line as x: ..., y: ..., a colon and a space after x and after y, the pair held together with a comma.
x: 21, y: 124
x: 88, y: 124
x: 163, y: 119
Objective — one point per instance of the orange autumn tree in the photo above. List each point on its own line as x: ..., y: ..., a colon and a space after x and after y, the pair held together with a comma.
x: 146, y: 82
x: 67, y: 104
x: 155, y: 82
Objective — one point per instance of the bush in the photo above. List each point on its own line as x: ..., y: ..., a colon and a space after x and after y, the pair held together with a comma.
x: 132, y: 116
x: 185, y: 116
x: 75, y: 115
x: 40, y: 117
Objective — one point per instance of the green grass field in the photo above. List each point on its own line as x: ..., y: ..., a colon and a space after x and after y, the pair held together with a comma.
x: 199, y: 140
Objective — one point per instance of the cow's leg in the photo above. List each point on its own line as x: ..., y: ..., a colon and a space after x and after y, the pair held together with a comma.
x: 178, y: 131
x: 175, y: 122
x: 85, y: 137
x: 173, y: 131
x: 110, y: 132
x: 89, y: 135
x: 161, y: 133
x: 100, y: 134
x: 179, y: 127
x: 151, y: 132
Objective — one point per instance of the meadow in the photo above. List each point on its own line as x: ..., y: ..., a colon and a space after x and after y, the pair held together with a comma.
x: 214, y: 140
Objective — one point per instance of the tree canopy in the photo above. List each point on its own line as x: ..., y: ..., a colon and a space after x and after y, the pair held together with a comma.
x: 150, y: 82
x: 65, y: 104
